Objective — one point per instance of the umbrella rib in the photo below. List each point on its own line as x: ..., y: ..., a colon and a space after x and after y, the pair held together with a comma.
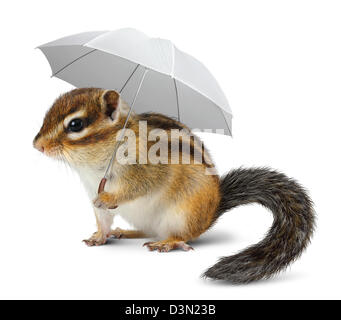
x: 228, y: 128
x: 129, y: 78
x: 82, y: 56
x: 177, y: 98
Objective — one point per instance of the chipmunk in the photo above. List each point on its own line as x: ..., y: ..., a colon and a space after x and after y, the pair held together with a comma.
x: 173, y: 203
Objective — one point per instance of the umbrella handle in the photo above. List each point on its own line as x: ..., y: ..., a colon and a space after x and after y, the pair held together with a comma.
x: 102, y: 185
x: 101, y: 189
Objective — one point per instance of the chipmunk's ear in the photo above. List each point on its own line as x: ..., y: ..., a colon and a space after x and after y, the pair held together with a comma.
x: 110, y: 103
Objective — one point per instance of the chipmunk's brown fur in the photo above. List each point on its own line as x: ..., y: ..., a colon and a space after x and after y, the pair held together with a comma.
x: 173, y: 202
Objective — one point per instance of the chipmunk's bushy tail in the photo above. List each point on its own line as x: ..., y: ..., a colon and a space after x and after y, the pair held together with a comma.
x: 288, y: 236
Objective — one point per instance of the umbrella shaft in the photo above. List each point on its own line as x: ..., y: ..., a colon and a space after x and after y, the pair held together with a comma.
x: 106, y: 175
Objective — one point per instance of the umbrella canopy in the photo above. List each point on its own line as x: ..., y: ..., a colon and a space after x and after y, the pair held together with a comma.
x: 176, y: 84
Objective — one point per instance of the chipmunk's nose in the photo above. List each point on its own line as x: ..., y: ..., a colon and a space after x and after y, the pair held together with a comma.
x: 39, y: 147
x: 37, y: 143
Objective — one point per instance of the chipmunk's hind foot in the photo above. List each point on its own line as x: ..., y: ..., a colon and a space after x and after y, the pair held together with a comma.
x: 167, y: 245
x: 126, y: 234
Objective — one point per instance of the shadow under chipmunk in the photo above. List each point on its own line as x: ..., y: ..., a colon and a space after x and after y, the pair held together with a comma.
x: 208, y: 239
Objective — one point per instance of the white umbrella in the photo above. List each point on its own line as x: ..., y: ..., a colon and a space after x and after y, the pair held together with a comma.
x: 151, y: 74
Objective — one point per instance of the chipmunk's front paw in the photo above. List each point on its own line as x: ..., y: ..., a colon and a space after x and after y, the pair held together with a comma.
x: 105, y: 200
x: 97, y: 239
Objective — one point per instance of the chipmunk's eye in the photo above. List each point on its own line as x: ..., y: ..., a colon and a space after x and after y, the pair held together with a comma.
x: 76, y: 125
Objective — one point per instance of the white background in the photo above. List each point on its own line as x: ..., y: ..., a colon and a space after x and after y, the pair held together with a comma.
x: 279, y: 63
